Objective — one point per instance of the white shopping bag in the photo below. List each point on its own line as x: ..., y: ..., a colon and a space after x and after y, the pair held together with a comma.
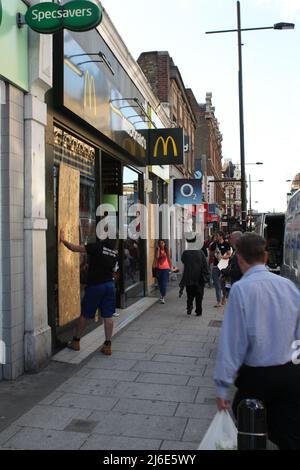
x: 221, y: 434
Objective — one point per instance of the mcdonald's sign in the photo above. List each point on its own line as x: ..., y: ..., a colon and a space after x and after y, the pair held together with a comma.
x: 89, y: 93
x: 165, y: 146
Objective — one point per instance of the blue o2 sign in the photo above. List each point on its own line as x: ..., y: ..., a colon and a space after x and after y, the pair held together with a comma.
x: 77, y: 15
x: 187, y: 192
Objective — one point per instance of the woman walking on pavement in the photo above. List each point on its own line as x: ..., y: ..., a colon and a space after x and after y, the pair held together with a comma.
x: 162, y: 264
x: 220, y: 250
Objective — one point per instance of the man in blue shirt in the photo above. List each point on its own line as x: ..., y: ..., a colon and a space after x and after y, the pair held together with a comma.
x: 260, y: 329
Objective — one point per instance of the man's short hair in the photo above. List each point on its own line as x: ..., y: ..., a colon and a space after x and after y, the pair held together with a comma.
x: 221, y: 234
x: 251, y: 247
x: 236, y: 235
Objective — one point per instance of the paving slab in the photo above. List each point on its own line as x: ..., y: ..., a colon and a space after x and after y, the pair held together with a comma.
x: 37, y: 439
x: 149, y: 407
x: 135, y: 425
x: 175, y: 393
x: 169, y: 368
x: 86, y: 402
x: 50, y: 417
x: 160, y: 378
x: 98, y: 441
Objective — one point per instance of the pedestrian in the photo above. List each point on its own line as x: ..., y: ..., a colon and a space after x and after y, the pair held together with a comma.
x: 100, y: 289
x: 162, y: 265
x: 211, y: 257
x: 194, y: 277
x: 233, y: 272
x: 220, y: 249
x: 260, y: 327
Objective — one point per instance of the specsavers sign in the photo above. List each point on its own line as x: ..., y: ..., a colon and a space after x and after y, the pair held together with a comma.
x: 78, y: 15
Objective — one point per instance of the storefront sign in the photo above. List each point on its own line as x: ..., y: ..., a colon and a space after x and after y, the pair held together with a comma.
x: 14, y: 44
x: 166, y: 146
x: 187, y: 192
x: 77, y: 15
x: 97, y: 89
x: 211, y: 213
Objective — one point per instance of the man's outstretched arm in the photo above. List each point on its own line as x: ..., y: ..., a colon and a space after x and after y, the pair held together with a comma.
x: 71, y: 246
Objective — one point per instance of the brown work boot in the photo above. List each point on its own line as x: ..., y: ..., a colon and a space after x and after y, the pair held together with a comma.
x: 106, y: 348
x: 74, y: 344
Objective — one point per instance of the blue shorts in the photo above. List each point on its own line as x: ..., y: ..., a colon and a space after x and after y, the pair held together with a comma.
x: 102, y: 296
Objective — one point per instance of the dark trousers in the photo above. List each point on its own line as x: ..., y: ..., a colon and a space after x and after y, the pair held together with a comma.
x: 162, y: 280
x: 278, y: 387
x: 195, y: 292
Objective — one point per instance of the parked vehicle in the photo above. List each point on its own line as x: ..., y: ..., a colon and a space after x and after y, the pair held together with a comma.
x: 271, y: 227
x: 291, y: 252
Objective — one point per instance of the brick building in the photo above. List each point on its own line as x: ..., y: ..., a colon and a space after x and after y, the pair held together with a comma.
x: 208, y: 149
x: 167, y: 84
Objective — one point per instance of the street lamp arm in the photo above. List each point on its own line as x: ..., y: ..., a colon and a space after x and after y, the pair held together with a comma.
x: 279, y: 26
x: 236, y: 30
x: 225, y: 180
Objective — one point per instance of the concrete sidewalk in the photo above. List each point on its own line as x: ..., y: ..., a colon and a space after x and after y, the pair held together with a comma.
x: 154, y: 392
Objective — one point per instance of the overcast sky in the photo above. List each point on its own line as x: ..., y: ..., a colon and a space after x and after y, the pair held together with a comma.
x: 271, y: 75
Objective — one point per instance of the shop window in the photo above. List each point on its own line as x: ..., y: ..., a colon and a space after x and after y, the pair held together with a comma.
x: 132, y: 246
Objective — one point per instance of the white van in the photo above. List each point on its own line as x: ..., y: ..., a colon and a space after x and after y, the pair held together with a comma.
x: 270, y: 226
x: 291, y: 252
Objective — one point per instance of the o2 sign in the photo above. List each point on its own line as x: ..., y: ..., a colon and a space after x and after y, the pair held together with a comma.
x: 187, y: 191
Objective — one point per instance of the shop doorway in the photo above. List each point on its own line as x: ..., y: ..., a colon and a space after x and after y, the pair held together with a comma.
x: 72, y: 185
x: 121, y: 180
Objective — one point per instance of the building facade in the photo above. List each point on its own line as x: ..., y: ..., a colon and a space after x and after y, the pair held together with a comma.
x: 167, y: 83
x: 73, y: 132
x: 232, y: 192
x: 208, y: 160
x: 24, y: 82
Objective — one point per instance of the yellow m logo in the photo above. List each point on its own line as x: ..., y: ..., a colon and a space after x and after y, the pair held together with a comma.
x: 165, y: 143
x: 90, y: 92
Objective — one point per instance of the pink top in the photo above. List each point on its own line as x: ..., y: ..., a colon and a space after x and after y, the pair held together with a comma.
x: 162, y: 262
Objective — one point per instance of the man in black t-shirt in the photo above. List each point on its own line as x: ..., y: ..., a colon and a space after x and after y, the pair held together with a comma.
x: 221, y: 250
x: 100, y: 289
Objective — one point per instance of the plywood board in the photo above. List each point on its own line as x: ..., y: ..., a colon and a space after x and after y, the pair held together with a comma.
x: 68, y: 261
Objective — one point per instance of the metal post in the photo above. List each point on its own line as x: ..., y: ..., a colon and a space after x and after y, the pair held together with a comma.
x: 252, y: 425
x: 241, y: 108
x: 250, y: 205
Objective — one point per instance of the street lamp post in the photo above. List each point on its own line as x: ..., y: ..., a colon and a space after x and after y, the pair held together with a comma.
x: 250, y: 208
x: 280, y: 26
x: 241, y: 111
x: 250, y: 201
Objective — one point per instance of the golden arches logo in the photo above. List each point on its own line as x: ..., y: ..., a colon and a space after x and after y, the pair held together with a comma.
x: 165, y: 143
x: 89, y: 97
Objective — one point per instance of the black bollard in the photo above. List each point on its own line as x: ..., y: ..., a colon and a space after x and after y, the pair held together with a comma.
x: 252, y: 425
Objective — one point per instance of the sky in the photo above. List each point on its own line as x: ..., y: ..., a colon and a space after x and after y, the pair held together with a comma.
x: 209, y: 63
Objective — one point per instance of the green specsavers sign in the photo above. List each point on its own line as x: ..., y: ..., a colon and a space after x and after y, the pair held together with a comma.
x: 78, y: 15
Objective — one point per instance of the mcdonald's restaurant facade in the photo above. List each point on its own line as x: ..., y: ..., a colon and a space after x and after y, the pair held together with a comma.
x: 99, y: 113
